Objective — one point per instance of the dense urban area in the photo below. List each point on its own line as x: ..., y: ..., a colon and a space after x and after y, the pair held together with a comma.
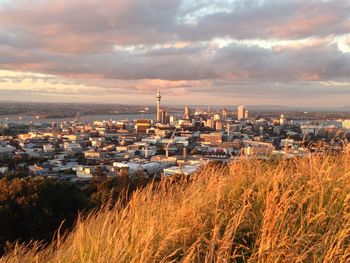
x: 165, y: 145
x: 56, y: 165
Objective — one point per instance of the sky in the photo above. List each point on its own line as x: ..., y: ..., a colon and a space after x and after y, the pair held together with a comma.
x: 229, y: 52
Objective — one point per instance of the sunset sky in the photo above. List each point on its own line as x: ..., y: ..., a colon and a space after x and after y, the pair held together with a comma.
x: 294, y: 53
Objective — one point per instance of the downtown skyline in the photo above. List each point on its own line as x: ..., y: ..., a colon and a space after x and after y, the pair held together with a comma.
x: 292, y: 53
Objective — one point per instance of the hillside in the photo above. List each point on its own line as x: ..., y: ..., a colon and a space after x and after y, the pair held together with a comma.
x: 297, y: 210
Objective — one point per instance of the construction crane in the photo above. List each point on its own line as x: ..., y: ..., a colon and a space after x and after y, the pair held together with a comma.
x: 171, y: 140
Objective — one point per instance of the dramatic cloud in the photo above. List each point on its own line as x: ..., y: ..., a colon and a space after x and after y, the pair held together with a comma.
x: 193, y: 47
x: 275, y: 19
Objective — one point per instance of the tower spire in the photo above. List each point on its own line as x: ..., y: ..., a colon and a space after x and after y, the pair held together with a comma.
x: 158, y: 97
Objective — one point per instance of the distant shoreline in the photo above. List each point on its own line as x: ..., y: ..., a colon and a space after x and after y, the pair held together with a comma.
x: 81, y: 118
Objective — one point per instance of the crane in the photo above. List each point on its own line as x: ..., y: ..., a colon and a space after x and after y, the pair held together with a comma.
x: 170, y: 141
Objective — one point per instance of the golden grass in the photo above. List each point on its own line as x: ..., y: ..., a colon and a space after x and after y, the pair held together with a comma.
x: 254, y: 211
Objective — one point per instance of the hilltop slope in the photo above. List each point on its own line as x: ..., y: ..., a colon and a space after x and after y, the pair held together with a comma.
x: 297, y: 210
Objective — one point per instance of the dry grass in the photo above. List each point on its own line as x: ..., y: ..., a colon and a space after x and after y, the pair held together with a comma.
x: 288, y: 211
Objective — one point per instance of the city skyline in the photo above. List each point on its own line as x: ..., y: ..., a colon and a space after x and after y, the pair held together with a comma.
x: 288, y: 53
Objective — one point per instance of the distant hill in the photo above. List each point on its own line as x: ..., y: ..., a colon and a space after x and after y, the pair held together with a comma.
x: 256, y: 211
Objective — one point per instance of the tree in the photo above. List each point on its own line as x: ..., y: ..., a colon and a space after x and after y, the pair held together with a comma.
x: 34, y: 208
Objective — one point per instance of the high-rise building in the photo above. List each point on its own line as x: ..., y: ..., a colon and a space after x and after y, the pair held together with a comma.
x: 187, y: 112
x: 241, y: 112
x: 218, y: 126
x: 158, y: 106
x: 172, y: 119
x: 283, y: 120
x: 228, y: 128
x: 162, y: 116
x: 246, y: 114
x: 224, y: 113
x: 210, y: 123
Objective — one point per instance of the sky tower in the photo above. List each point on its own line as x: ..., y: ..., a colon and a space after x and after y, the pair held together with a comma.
x: 158, y: 106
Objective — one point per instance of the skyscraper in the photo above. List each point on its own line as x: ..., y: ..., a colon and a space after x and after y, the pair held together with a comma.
x: 187, y: 112
x: 246, y: 114
x: 283, y: 120
x: 162, y: 116
x: 241, y: 112
x: 158, y: 106
x: 224, y: 113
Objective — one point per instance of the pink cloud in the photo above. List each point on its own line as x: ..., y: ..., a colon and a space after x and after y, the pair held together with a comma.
x: 157, y: 49
x: 300, y: 25
x: 309, y: 76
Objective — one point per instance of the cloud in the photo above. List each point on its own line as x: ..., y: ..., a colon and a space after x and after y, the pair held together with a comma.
x: 273, y: 19
x: 86, y: 25
x: 319, y: 60
x: 184, y: 46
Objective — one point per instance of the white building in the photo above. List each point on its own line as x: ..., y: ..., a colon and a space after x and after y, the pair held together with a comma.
x: 286, y: 143
x: 135, y: 168
x: 48, y: 148
x: 185, y: 170
x: 313, y: 129
x: 283, y: 120
x: 72, y: 147
x: 85, y: 173
x: 3, y: 170
x: 246, y: 114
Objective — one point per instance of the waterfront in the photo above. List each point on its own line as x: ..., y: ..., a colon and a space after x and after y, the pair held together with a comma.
x: 85, y: 119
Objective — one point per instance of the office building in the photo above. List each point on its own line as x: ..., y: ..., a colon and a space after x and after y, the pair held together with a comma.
x: 283, y: 120
x: 142, y: 126
x: 163, y: 118
x: 241, y: 112
x: 187, y: 112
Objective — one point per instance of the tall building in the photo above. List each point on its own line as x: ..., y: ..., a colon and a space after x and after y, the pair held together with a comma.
x: 210, y: 123
x: 224, y: 113
x: 283, y: 120
x: 158, y: 106
x: 241, y: 112
x: 162, y: 116
x: 218, y: 126
x: 187, y: 112
x: 172, y: 119
x: 246, y: 114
